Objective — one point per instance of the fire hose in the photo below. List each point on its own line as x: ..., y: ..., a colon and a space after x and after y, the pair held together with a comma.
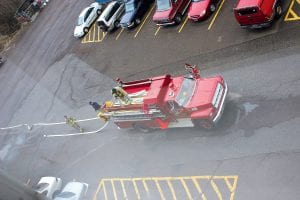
x: 30, y: 126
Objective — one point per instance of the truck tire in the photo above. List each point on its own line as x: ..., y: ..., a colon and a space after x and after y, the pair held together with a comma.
x: 137, y: 21
x: 142, y: 128
x: 178, y: 18
x: 117, y: 24
x: 98, y: 12
x: 278, y: 11
x: 212, y: 8
x: 204, y: 124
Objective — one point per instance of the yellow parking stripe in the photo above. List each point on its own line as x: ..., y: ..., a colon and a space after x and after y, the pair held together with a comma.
x: 124, y: 191
x: 108, y: 190
x: 158, y: 28
x: 291, y: 15
x: 215, y: 16
x: 94, y: 27
x: 98, y: 190
x: 172, y: 189
x: 121, y: 31
x: 159, y: 190
x: 114, y: 190
x: 199, y: 189
x: 186, y: 189
x: 141, y: 26
x: 216, y: 189
x: 183, y: 24
x: 231, y: 187
x: 104, y: 191
x: 136, y: 189
x: 145, y: 186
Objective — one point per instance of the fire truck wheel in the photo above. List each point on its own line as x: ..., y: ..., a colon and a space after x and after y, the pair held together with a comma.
x: 142, y: 128
x: 205, y: 124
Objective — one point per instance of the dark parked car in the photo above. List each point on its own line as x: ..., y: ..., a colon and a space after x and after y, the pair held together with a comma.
x: 134, y: 12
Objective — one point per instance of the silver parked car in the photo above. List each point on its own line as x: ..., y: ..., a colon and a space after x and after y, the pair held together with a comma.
x: 49, y: 186
x: 111, y: 16
x: 86, y: 19
x: 73, y: 191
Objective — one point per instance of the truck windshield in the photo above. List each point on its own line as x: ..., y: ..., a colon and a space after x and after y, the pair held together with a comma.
x: 129, y: 6
x: 163, y: 5
x: 247, y: 11
x: 186, y: 92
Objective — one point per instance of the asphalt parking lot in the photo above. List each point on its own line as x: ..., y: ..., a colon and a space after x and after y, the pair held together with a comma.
x: 49, y: 74
x: 144, y: 44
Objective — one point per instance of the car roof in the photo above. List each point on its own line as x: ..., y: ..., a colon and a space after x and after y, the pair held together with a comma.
x: 73, y: 187
x: 48, y: 179
x: 107, y: 10
x: 248, y: 3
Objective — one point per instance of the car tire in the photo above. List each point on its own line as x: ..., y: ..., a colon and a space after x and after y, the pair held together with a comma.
x: 178, y: 18
x: 278, y: 11
x: 117, y: 24
x: 86, y: 30
x: 142, y: 128
x: 137, y: 21
x: 55, y: 194
x: 212, y: 8
x: 98, y: 12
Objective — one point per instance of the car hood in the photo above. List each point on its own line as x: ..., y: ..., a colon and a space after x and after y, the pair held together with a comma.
x: 128, y: 17
x: 78, y: 30
x: 159, y: 15
x: 204, y: 93
x: 196, y: 8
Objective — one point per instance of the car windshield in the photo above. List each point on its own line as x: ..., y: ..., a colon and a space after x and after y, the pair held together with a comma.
x: 80, y: 20
x: 41, y: 186
x: 197, y: 0
x: 163, y: 5
x: 129, y: 7
x: 186, y: 91
x: 66, y: 194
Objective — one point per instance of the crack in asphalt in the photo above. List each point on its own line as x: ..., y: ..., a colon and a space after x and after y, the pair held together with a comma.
x: 57, y: 89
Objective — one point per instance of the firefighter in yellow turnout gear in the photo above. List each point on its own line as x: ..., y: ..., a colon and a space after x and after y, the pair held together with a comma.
x: 72, y: 122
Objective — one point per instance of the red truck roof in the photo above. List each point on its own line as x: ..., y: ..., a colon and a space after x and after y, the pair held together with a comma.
x: 248, y: 4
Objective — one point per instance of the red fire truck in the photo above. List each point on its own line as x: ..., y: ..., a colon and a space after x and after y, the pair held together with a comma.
x: 167, y: 102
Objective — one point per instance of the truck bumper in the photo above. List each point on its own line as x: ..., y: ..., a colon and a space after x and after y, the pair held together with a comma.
x: 222, y: 106
x: 257, y: 26
x: 165, y: 23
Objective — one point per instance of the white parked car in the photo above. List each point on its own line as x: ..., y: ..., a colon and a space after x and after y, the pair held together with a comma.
x: 111, y: 16
x: 73, y: 191
x: 86, y: 19
x: 49, y: 186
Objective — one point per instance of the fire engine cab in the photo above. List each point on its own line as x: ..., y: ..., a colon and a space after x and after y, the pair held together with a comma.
x: 167, y: 102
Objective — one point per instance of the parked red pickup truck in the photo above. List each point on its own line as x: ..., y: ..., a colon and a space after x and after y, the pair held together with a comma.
x: 257, y: 13
x: 170, y: 12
